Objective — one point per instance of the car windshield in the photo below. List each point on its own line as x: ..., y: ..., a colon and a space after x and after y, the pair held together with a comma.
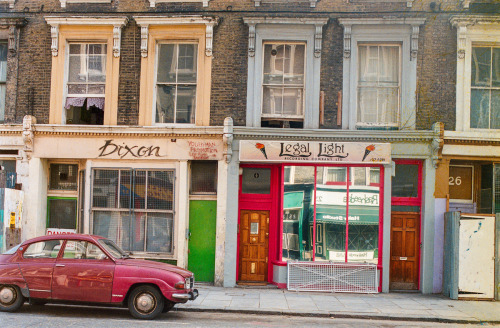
x: 12, y: 250
x: 112, y: 248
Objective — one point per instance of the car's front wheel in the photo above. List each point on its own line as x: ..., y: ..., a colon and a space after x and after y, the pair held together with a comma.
x: 145, y: 302
x: 11, y: 298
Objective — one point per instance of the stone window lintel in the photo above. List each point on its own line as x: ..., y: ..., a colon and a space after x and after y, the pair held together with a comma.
x: 145, y: 21
x: 152, y: 3
x: 65, y: 2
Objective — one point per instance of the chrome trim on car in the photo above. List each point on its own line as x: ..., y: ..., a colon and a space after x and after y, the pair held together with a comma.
x: 40, y: 290
x: 188, y: 296
x: 116, y: 295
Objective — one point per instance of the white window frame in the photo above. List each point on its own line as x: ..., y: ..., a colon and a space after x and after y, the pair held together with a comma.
x: 403, y: 31
x: 303, y: 30
x: 177, y: 42
x: 283, y: 85
x: 152, y: 3
x: 359, y: 122
x: 65, y: 2
x: 471, y: 31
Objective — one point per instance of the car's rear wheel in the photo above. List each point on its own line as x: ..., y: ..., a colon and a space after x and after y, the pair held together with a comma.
x: 11, y: 298
x: 145, y: 302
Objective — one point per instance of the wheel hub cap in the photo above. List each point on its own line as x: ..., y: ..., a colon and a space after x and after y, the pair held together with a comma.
x: 145, y: 303
x: 7, y: 295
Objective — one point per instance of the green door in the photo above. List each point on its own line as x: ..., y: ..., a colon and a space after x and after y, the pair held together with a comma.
x: 202, y: 222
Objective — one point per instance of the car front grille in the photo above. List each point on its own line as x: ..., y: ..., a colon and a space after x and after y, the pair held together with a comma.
x: 190, y: 282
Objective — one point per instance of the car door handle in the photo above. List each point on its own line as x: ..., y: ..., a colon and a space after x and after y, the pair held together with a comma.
x: 60, y: 265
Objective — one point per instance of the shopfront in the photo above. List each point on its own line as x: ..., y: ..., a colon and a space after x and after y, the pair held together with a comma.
x: 310, y: 201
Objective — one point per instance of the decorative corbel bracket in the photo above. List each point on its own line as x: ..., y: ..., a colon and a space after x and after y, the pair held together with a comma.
x: 436, y: 146
x: 251, y: 40
x: 209, y: 39
x: 228, y: 139
x: 117, y: 40
x: 28, y: 135
x: 54, y: 34
x: 63, y: 3
x: 415, y: 29
x: 347, y: 41
x: 13, y: 38
x: 461, y: 41
x: 466, y: 3
x: 144, y: 40
x: 318, y: 37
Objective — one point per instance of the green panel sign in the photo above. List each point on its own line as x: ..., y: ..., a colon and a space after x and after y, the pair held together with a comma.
x: 202, y: 227
x: 368, y: 215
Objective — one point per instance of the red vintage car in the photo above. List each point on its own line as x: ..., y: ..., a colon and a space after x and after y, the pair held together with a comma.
x: 89, y: 269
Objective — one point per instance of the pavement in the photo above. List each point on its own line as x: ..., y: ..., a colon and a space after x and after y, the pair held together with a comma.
x: 382, y: 306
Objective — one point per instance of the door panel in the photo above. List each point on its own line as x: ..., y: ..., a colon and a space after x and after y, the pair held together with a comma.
x: 254, y: 243
x: 202, y: 229
x: 38, y: 275
x: 405, y: 248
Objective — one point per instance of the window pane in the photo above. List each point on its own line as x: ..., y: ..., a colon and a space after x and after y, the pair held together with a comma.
x: 273, y: 64
x: 405, y: 181
x: 139, y: 193
x: 331, y: 209
x: 203, y: 177
x: 75, y: 250
x: 367, y: 105
x: 3, y: 90
x: 63, y: 176
x: 186, y: 102
x: 481, y: 66
x: 480, y: 109
x: 62, y: 213
x: 165, y: 104
x: 133, y: 226
x: 3, y: 62
x: 167, y: 63
x: 125, y: 189
x: 76, y: 71
x: 256, y: 181
x: 187, y: 63
x: 388, y: 105
x: 105, y: 188
x: 114, y: 226
x: 273, y: 101
x: 160, y: 190
x: 495, y: 109
x: 292, y: 101
x: 496, y: 67
x: 43, y: 249
x: 160, y: 232
x: 298, y: 218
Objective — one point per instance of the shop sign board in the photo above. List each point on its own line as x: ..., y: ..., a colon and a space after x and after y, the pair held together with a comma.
x: 127, y: 149
x: 315, y: 152
x: 57, y: 231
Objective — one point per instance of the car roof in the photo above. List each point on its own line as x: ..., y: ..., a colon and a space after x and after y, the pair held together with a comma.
x: 65, y: 236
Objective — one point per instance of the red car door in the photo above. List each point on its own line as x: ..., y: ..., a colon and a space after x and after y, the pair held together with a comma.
x: 83, y: 273
x: 37, y: 264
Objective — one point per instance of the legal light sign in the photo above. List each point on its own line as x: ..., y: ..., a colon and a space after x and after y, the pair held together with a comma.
x: 317, y: 152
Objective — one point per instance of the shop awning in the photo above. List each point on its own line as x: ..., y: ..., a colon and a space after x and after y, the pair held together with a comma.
x: 368, y: 215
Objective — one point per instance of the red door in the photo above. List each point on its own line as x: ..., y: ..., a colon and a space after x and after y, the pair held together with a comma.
x: 83, y: 273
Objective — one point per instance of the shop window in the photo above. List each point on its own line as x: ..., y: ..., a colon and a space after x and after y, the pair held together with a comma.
x: 3, y: 78
x: 256, y: 181
x: 134, y: 208
x: 315, y: 223
x: 485, y: 88
x: 62, y: 213
x: 63, y: 177
x: 176, y: 83
x: 86, y: 83
x: 203, y: 177
x: 283, y: 82
x: 378, y: 85
x: 284, y: 72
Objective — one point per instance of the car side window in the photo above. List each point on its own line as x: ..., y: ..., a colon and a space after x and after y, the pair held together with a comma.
x: 43, y: 249
x: 79, y: 249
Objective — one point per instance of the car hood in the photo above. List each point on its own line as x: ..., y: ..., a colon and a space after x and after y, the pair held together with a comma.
x: 155, y: 265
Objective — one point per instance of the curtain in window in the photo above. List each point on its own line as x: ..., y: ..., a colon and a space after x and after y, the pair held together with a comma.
x: 378, y: 84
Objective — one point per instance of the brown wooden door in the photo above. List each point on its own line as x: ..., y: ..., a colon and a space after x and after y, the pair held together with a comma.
x: 405, y: 250
x: 254, y: 235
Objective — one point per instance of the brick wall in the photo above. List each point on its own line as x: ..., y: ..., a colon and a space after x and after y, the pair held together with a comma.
x: 436, y: 59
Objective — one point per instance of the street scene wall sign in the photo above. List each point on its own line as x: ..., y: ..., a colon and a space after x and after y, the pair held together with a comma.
x: 315, y: 152
x: 127, y: 149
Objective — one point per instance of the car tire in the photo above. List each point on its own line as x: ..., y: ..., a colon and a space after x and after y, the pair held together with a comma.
x: 145, y: 302
x: 168, y: 305
x: 11, y: 298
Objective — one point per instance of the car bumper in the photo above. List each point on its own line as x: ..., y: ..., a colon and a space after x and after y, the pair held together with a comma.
x: 191, y: 296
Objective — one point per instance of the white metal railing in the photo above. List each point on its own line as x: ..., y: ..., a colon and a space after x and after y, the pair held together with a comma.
x: 332, y: 277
